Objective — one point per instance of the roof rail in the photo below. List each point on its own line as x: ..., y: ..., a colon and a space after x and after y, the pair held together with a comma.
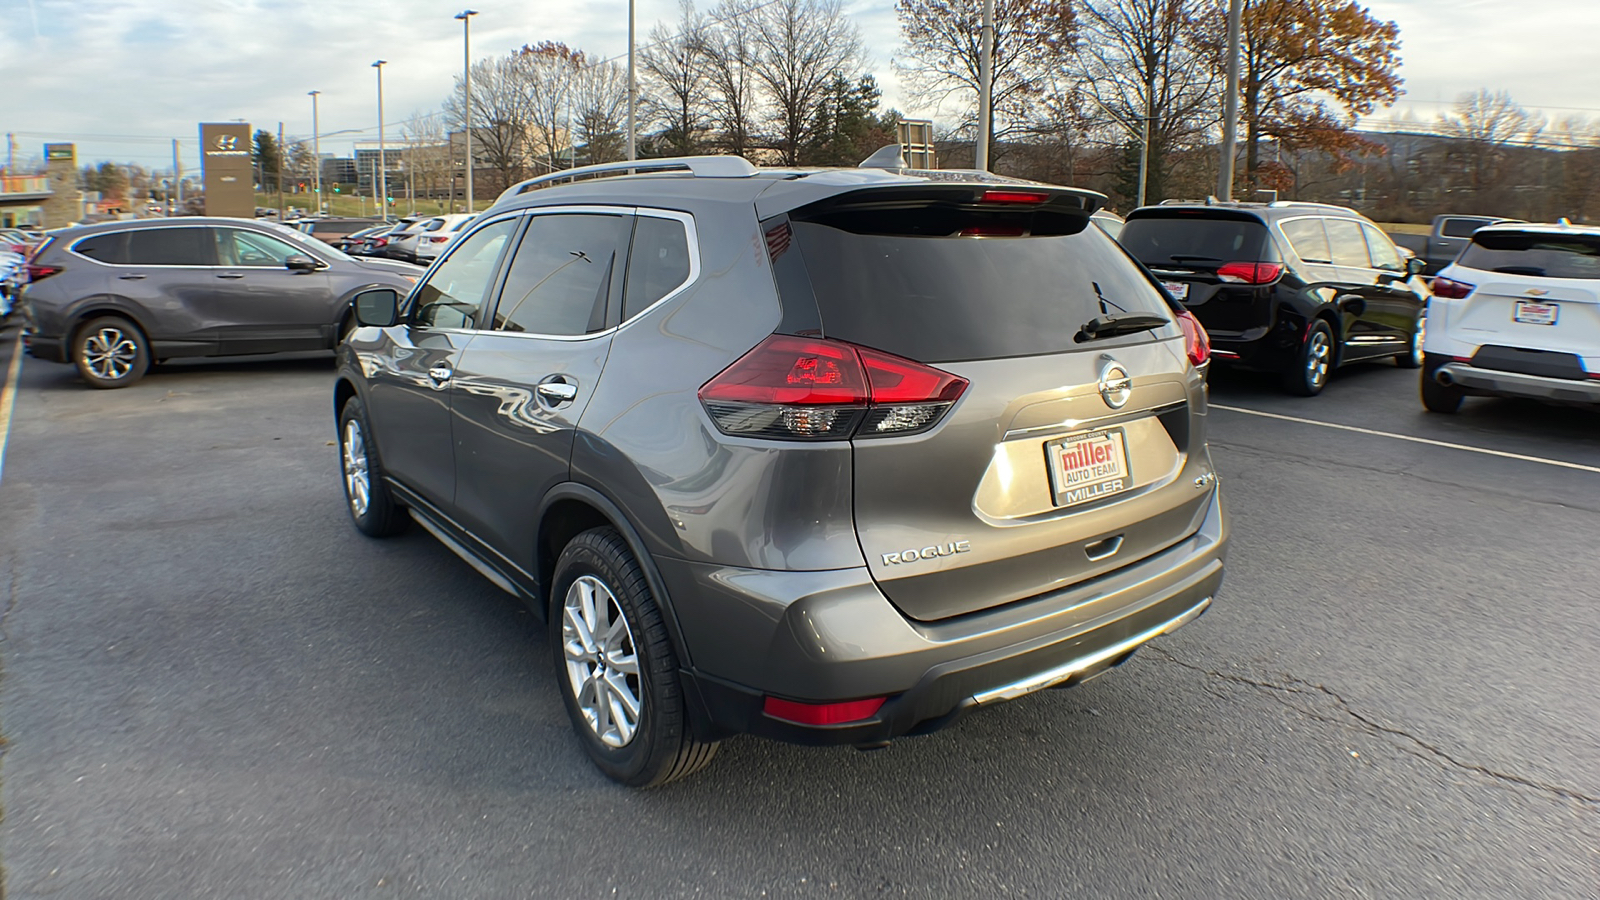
x: 1284, y: 203
x: 723, y: 166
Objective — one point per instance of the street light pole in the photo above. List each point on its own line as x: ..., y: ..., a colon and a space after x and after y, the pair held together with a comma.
x: 633, y: 91
x: 1230, y: 103
x: 381, y: 184
x: 316, y: 152
x: 985, y: 88
x: 466, y: 81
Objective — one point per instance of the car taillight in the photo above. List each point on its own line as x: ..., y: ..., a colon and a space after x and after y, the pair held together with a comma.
x: 1196, y: 343
x: 380, y: 242
x: 800, y: 388
x: 438, y: 240
x: 822, y: 713
x: 37, y: 272
x: 1250, y: 272
x: 1451, y: 290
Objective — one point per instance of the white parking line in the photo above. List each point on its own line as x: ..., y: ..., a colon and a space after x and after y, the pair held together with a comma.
x: 8, y: 398
x: 1415, y: 440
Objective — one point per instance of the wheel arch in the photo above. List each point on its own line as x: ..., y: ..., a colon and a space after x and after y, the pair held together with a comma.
x: 96, y: 309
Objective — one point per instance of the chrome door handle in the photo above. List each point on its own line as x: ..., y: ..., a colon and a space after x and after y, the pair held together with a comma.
x: 230, y: 275
x: 557, y: 391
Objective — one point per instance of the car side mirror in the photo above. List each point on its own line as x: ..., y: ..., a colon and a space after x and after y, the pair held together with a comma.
x: 300, y: 263
x: 1415, y: 266
x: 379, y: 307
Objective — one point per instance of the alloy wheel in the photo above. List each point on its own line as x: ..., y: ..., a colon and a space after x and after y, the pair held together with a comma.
x: 602, y: 661
x: 109, y: 354
x: 357, y: 480
x: 1318, y: 355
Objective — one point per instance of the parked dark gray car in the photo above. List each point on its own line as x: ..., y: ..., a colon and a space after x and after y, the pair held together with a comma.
x: 830, y: 456
x: 113, y: 297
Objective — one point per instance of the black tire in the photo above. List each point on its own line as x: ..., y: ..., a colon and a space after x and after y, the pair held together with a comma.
x: 377, y: 515
x: 1438, y: 398
x: 1313, y: 365
x: 110, y: 352
x: 1412, y: 358
x: 660, y: 747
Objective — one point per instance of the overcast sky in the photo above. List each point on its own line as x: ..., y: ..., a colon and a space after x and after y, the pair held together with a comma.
x: 122, y: 78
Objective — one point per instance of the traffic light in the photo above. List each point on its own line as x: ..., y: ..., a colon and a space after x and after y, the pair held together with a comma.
x: 336, y: 189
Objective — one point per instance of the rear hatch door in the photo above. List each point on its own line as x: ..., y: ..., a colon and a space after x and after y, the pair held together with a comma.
x: 1206, y: 259
x: 1539, y: 290
x: 1034, y: 480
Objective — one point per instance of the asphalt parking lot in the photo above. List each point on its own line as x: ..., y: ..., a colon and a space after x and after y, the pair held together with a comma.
x: 212, y: 686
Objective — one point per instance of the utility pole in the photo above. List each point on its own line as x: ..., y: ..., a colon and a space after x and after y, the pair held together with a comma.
x: 177, y: 174
x: 316, y: 152
x: 11, y: 153
x: 280, y: 171
x: 1144, y: 160
x: 381, y: 184
x: 633, y: 93
x: 466, y: 81
x: 985, y: 88
x: 1230, y: 103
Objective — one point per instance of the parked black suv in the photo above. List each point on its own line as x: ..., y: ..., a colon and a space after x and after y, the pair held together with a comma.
x: 112, y: 298
x: 829, y: 456
x: 1296, y: 288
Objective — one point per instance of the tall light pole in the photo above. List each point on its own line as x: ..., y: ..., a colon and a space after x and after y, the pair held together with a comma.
x: 381, y: 185
x: 985, y: 87
x: 633, y: 92
x: 1230, y: 103
x: 466, y: 81
x: 316, y: 151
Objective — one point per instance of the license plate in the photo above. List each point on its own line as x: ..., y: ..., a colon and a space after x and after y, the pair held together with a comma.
x: 1529, y: 312
x: 1088, y: 466
x: 1178, y: 289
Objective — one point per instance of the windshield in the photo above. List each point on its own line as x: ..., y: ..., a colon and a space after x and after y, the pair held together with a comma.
x: 1533, y: 253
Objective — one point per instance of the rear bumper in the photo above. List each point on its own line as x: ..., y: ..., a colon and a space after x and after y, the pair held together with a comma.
x: 1516, y: 384
x: 40, y: 347
x: 837, y: 638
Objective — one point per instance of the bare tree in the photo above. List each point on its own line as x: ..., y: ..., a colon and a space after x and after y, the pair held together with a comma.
x: 1138, y: 62
x: 1033, y: 40
x: 729, y: 51
x: 674, y: 67
x: 600, y: 104
x: 1484, y: 124
x: 500, y: 118
x: 550, y: 71
x: 428, y: 158
x: 801, y: 47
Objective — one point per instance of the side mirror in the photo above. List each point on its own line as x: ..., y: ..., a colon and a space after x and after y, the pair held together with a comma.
x: 379, y: 307
x: 1414, y: 266
x: 299, y: 263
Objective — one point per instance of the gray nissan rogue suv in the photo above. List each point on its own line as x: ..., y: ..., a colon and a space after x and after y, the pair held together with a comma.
x: 825, y: 455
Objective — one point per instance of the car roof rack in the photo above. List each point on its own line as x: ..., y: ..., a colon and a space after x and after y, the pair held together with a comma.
x: 721, y: 166
x: 1307, y: 203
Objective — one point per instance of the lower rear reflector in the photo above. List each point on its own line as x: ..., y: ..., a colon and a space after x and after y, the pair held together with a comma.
x: 822, y: 713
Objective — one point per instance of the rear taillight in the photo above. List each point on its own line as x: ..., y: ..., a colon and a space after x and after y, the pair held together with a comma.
x: 437, y: 240
x: 1196, y: 343
x: 380, y: 242
x: 800, y: 388
x: 822, y: 713
x: 37, y: 272
x: 1451, y: 290
x: 1250, y: 272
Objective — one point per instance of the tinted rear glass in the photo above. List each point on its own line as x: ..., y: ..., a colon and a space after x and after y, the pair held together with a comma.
x: 108, y: 248
x: 1194, y: 240
x: 1529, y: 253
x: 1461, y: 227
x: 945, y: 294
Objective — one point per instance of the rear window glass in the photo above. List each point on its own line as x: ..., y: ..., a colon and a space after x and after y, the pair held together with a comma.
x: 1194, y: 240
x: 1530, y: 253
x: 966, y: 286
x: 1461, y: 227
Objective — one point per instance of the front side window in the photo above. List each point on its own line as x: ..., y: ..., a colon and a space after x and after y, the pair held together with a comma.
x: 171, y: 247
x: 1384, y: 255
x: 1308, y: 239
x: 237, y: 247
x: 561, y: 276
x: 657, y: 264
x: 453, y: 295
x: 1348, y: 246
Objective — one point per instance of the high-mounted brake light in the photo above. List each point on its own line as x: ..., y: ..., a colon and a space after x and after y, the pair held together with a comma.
x: 801, y: 388
x: 1250, y: 272
x: 822, y: 713
x: 1016, y: 198
x: 1452, y: 290
x: 1196, y: 343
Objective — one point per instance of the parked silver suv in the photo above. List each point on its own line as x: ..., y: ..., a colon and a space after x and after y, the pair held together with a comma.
x: 830, y: 456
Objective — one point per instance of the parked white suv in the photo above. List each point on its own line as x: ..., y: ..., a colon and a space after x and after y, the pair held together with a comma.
x: 435, y: 235
x: 1516, y: 315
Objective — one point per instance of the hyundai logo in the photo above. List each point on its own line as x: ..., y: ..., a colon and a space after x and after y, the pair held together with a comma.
x: 1115, y: 385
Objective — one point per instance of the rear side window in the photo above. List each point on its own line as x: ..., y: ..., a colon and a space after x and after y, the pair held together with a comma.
x: 1308, y: 239
x: 171, y: 247
x: 1347, y: 243
x: 1461, y: 227
x: 1530, y: 253
x: 657, y: 264
x: 966, y: 286
x: 560, y: 278
x: 1194, y: 239
x: 107, y: 248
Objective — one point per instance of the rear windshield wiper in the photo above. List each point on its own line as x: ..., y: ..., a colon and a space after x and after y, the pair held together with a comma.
x: 1113, y: 326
